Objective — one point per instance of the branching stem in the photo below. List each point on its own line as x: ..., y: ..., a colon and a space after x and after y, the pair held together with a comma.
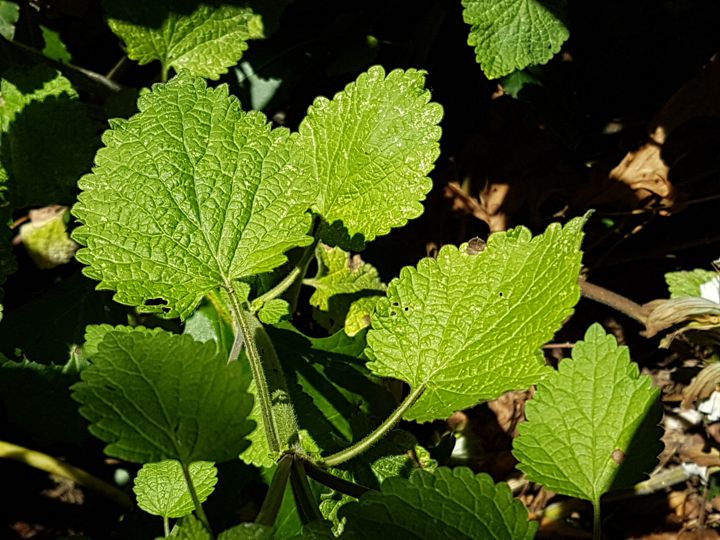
x: 613, y: 300
x: 193, y: 495
x: 379, y: 432
x: 335, y: 482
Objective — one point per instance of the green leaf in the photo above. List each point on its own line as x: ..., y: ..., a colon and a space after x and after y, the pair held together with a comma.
x: 188, y: 195
x: 161, y: 488
x: 40, y: 109
x: 49, y: 325
x: 207, y: 324
x: 154, y: 395
x: 191, y: 528
x: 593, y: 425
x: 54, y: 47
x: 204, y: 38
x: 360, y: 314
x: 36, y: 398
x: 470, y: 326
x: 513, y: 34
x: 45, y: 237
x: 450, y: 504
x: 273, y: 311
x: 371, y: 148
x: 247, y: 531
x: 9, y: 15
x: 688, y: 283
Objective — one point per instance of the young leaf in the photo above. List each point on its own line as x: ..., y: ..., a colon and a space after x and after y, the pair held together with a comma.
x: 469, y: 327
x: 54, y: 48
x: 204, y: 38
x: 359, y: 315
x: 514, y: 34
x: 9, y: 15
x: 448, y: 504
x: 40, y: 109
x: 187, y: 196
x: 688, y: 283
x: 371, y: 148
x: 191, y: 528
x: 154, y: 395
x: 45, y: 237
x: 340, y: 279
x: 593, y: 425
x: 161, y: 488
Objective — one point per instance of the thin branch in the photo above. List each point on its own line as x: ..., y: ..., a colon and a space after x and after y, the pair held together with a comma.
x: 193, y: 495
x: 335, y: 482
x: 304, y: 498
x: 614, y: 300
x: 273, y: 500
x: 288, y: 280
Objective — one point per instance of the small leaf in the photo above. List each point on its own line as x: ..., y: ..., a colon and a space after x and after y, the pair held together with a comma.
x: 360, y: 314
x: 470, y: 327
x: 371, y: 148
x: 339, y: 281
x: 188, y: 195
x: 191, y: 528
x: 9, y: 15
x: 274, y: 311
x: 688, y: 283
x: 247, y: 531
x: 54, y: 47
x: 514, y: 34
x: 204, y: 38
x: 161, y: 489
x: 593, y: 425
x: 154, y: 395
x: 40, y: 109
x: 448, y: 504
x: 45, y: 237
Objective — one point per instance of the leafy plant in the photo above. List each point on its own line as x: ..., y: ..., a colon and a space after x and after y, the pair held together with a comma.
x: 205, y: 220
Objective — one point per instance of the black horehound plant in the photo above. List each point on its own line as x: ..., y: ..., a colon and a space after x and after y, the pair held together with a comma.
x: 200, y: 210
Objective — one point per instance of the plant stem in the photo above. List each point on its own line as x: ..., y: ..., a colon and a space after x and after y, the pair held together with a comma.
x: 193, y: 495
x: 166, y: 526
x: 243, y: 333
x: 304, y: 498
x: 273, y: 499
x: 334, y: 482
x: 597, y: 521
x: 298, y: 269
x: 52, y: 465
x: 379, y: 432
x: 613, y: 300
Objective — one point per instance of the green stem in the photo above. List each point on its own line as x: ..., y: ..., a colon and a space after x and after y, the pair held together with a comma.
x: 597, y: 521
x: 379, y: 432
x: 166, y: 526
x: 304, y: 498
x: 52, y: 465
x: 334, y: 482
x: 273, y: 500
x: 297, y: 270
x: 193, y: 495
x: 244, y: 334
x: 164, y: 73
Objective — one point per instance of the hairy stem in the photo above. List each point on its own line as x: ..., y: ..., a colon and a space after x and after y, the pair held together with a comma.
x: 245, y: 334
x: 52, y: 465
x: 334, y: 482
x: 297, y: 270
x: 193, y: 495
x: 613, y: 300
x: 304, y: 498
x: 273, y: 499
x: 379, y: 432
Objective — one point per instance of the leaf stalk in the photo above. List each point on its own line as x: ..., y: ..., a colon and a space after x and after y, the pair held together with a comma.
x: 193, y: 495
x: 364, y: 444
x: 273, y: 500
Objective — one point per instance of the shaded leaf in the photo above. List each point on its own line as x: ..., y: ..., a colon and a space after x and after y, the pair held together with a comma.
x: 688, y: 283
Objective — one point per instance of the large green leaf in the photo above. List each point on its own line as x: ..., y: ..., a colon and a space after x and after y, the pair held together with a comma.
x: 154, y: 395
x: 161, y: 488
x: 188, y: 195
x: 453, y: 504
x: 593, y: 425
x: 205, y: 37
x: 514, y: 34
x: 469, y: 326
x: 370, y: 149
x: 40, y: 110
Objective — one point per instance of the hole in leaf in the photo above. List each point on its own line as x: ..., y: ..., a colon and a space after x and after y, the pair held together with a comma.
x: 156, y: 302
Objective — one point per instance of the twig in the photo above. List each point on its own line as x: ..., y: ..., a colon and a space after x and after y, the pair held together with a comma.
x: 614, y: 300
